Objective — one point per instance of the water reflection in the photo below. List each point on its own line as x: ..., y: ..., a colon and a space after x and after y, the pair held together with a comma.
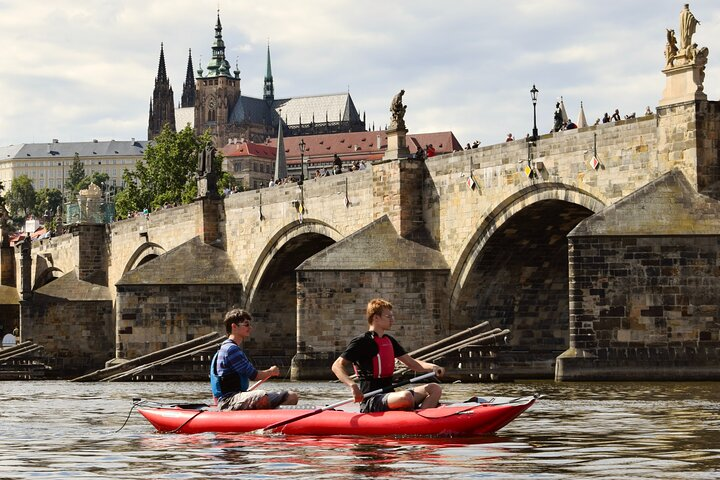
x: 591, y: 430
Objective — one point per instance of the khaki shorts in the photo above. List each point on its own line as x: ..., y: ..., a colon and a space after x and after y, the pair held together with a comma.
x: 255, y: 400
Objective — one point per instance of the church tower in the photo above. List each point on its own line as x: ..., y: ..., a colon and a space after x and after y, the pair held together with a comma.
x: 188, y: 95
x: 162, y: 104
x: 268, y: 89
x: 217, y: 93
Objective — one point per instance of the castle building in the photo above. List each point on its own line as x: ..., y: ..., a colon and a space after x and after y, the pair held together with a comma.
x: 215, y: 103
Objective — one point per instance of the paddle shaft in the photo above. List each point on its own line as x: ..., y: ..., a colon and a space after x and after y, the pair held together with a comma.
x: 389, y: 388
x: 257, y: 384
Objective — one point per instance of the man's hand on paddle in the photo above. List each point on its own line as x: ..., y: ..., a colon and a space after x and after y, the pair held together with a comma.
x: 273, y: 371
x: 357, y: 394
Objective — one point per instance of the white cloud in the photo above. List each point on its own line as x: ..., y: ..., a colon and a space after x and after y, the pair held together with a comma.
x: 78, y: 70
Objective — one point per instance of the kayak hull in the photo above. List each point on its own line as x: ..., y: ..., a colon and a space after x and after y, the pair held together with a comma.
x: 452, y: 420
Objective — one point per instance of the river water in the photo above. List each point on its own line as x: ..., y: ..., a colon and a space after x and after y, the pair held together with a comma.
x: 56, y: 429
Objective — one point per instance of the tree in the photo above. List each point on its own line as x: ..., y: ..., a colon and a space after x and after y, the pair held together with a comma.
x: 98, y: 178
x: 166, y: 174
x: 21, y: 197
x: 2, y: 198
x: 47, y: 201
x: 75, y: 177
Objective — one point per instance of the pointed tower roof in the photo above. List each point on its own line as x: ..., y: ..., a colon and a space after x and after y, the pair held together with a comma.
x: 582, y: 121
x: 280, y: 160
x: 162, y: 105
x: 188, y: 95
x: 269, y: 89
x: 218, y: 66
x: 162, y: 71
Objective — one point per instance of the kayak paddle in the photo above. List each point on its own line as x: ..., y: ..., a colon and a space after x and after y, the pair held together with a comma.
x: 389, y: 388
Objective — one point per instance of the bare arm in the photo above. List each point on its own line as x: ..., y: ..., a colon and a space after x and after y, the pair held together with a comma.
x: 273, y: 371
x: 339, y: 368
x: 421, y: 365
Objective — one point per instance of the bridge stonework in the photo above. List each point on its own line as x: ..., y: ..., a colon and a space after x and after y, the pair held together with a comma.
x: 451, y: 241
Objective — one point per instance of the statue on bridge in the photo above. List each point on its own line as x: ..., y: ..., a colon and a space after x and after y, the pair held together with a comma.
x: 671, y: 48
x: 688, y: 23
x: 398, y: 112
x: 687, y: 53
x: 207, y: 178
x: 206, y: 157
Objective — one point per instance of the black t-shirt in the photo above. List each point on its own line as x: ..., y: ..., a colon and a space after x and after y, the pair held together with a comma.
x: 361, y: 351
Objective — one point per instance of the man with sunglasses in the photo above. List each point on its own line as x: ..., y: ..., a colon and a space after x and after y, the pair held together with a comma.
x: 231, y: 371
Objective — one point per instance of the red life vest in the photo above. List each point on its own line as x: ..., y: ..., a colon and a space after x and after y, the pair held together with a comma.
x: 384, y: 361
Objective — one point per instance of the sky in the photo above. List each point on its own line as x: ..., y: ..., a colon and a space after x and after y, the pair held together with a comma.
x: 78, y: 70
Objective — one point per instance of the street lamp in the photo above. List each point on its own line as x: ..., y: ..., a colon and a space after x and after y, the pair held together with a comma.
x: 533, y: 95
x: 302, y: 160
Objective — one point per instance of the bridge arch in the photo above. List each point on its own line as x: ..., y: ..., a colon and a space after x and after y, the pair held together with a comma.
x: 271, y: 293
x: 513, y: 270
x: 290, y: 233
x: 143, y: 254
x: 47, y: 276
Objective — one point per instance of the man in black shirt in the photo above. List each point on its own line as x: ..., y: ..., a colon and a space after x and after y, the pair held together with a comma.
x: 373, y: 356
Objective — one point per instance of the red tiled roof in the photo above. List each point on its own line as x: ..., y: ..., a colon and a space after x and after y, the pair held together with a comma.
x: 358, y: 146
x: 249, y: 149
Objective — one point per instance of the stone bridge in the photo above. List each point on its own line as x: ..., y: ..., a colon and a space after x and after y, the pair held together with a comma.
x: 480, y: 234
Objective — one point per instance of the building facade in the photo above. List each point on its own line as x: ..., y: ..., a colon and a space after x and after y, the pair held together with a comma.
x: 48, y: 164
x: 250, y: 163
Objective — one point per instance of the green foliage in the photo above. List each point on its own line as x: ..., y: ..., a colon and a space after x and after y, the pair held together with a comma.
x: 75, y: 176
x: 167, y: 173
x: 21, y: 197
x: 2, y: 197
x: 98, y: 178
x: 47, y: 201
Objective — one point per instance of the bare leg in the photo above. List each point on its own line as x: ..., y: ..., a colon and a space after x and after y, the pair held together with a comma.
x: 292, y: 398
x: 401, y: 400
x: 428, y: 395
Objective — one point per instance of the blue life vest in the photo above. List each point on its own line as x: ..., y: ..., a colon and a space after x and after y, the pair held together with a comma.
x: 230, y: 382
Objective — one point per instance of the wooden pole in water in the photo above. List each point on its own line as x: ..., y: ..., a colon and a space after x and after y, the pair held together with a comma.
x: 490, y: 335
x: 467, y: 331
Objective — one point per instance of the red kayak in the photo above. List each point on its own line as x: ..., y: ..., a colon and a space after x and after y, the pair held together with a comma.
x: 479, y: 416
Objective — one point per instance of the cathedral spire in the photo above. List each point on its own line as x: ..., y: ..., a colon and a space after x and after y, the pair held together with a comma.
x: 268, y: 90
x: 162, y: 72
x: 188, y: 95
x: 218, y: 66
x: 162, y: 105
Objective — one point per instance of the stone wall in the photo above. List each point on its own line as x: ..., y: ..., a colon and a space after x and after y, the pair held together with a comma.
x: 332, y: 306
x: 160, y: 231
x: 644, y: 308
x: 149, y: 322
x: 77, y: 336
x: 645, y: 288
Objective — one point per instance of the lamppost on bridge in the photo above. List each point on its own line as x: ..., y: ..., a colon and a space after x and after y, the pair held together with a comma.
x: 302, y: 160
x: 533, y: 96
